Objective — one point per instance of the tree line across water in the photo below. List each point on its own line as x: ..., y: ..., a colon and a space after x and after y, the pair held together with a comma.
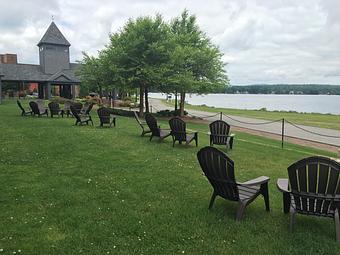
x: 150, y: 54
x: 306, y: 89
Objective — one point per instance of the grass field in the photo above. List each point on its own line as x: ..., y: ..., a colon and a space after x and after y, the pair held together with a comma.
x: 310, y: 119
x: 86, y: 190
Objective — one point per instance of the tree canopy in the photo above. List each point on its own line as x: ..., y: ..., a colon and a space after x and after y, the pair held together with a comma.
x: 149, y: 53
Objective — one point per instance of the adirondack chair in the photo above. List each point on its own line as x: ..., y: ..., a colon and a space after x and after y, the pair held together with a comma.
x: 77, y: 106
x: 36, y: 110
x: 80, y: 119
x: 67, y: 109
x: 55, y: 109
x: 23, y: 111
x: 142, y: 124
x: 179, y: 133
x: 219, y: 169
x: 219, y: 134
x: 105, y: 116
x: 86, y: 109
x: 41, y: 105
x: 313, y: 189
x: 155, y: 129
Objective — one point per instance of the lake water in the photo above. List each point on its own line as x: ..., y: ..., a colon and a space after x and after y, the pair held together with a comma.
x: 298, y: 103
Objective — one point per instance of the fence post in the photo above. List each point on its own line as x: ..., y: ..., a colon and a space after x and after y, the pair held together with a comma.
x: 150, y: 108
x: 221, y: 117
x: 283, y: 132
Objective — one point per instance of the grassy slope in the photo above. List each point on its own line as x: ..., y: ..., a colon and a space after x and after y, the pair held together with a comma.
x: 310, y: 119
x: 85, y: 190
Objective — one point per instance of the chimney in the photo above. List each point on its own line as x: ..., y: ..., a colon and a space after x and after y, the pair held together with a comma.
x: 8, y: 59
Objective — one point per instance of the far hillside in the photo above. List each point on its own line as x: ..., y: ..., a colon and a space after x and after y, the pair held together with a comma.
x: 305, y: 89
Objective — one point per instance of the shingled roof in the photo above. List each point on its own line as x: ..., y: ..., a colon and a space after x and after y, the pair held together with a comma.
x: 54, y: 36
x: 33, y: 73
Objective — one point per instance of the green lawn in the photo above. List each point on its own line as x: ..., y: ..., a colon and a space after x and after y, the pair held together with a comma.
x: 310, y: 119
x: 86, y: 190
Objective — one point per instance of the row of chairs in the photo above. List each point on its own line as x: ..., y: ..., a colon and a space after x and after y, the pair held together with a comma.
x: 219, y: 131
x: 313, y: 187
x: 76, y: 109
x: 38, y: 108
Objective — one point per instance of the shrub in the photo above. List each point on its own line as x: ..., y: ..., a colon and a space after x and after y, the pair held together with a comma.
x: 60, y: 100
x: 168, y: 113
x: 122, y: 112
x: 125, y: 103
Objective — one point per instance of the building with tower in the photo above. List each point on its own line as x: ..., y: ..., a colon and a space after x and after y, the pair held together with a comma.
x: 54, y: 75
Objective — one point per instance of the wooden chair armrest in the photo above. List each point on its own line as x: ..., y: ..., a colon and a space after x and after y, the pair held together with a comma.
x: 257, y: 181
x: 282, y: 185
x: 231, y: 135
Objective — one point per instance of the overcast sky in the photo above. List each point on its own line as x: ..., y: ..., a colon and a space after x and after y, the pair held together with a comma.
x: 263, y: 41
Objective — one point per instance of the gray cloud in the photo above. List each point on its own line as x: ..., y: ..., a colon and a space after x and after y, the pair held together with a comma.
x: 264, y: 41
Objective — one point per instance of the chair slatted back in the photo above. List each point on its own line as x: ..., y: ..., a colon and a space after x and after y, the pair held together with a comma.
x: 87, y: 108
x: 54, y: 107
x: 77, y: 106
x: 75, y: 113
x: 34, y: 106
x: 67, y: 105
x: 152, y: 124
x: 178, y: 129
x: 20, y: 106
x: 315, y: 186
x: 219, y: 169
x: 104, y: 115
x: 220, y: 131
x: 41, y: 104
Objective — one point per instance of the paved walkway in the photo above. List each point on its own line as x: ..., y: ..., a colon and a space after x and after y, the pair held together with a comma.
x: 270, y: 127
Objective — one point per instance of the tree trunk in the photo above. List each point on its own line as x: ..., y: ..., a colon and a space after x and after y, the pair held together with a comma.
x: 181, y: 105
x: 114, y: 97
x: 100, y: 91
x: 141, y: 101
x: 176, y: 107
x: 146, y: 100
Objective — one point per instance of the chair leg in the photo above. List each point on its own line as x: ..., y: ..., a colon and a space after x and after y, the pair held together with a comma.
x: 114, y: 122
x: 231, y: 142
x: 292, y: 219
x: 173, y: 142
x: 196, y: 140
x: 265, y: 193
x: 212, y: 199
x: 337, y: 225
x: 240, y: 211
x: 151, y: 137
x: 286, y: 202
